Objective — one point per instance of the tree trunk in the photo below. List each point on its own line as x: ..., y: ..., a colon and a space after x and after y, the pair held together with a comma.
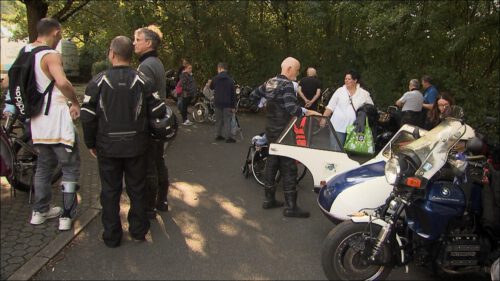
x: 35, y: 10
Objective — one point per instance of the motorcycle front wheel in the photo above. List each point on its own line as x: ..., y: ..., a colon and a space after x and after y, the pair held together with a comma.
x: 345, y: 253
x: 200, y: 112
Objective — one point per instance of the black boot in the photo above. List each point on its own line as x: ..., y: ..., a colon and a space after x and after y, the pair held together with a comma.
x: 291, y: 208
x: 270, y: 201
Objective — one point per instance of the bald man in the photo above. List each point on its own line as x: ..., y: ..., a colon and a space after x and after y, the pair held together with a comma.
x: 310, y: 89
x: 281, y: 107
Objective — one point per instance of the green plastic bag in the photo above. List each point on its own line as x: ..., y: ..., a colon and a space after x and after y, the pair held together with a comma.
x: 359, y: 143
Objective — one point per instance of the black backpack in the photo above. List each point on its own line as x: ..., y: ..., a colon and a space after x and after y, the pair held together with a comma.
x: 22, y: 85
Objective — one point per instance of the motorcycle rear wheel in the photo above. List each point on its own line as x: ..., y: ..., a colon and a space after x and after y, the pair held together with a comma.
x: 342, y: 255
x: 200, y: 112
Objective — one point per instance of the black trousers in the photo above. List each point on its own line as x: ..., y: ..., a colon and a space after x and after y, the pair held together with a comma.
x: 288, y: 171
x: 185, y: 104
x: 112, y: 171
x: 411, y: 118
x: 157, y: 182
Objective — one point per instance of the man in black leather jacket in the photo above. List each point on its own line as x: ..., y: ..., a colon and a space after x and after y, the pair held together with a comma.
x: 115, y: 112
x: 146, y: 43
x: 281, y: 107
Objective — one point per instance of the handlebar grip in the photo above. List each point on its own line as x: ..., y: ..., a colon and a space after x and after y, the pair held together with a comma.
x: 475, y: 157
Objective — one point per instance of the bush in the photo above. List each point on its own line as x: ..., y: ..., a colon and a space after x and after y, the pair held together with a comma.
x: 100, y: 66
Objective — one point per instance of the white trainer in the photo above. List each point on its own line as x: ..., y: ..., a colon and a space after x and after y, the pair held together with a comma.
x: 39, y: 217
x: 64, y: 223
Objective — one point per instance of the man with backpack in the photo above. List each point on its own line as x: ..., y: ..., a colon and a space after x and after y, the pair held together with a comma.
x: 40, y: 91
x: 117, y: 106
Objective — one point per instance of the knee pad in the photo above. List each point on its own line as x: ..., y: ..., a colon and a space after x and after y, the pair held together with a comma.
x: 70, y: 200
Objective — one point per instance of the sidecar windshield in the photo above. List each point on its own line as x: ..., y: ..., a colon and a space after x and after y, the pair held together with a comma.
x: 315, y: 132
x: 432, y: 149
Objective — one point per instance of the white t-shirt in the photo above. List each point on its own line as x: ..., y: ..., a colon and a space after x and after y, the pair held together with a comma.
x: 343, y: 112
x: 56, y: 127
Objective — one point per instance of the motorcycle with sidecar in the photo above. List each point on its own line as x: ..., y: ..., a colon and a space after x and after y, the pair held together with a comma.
x: 441, y: 213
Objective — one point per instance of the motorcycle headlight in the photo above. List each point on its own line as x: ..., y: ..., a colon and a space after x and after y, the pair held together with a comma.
x: 238, y: 91
x: 392, y: 170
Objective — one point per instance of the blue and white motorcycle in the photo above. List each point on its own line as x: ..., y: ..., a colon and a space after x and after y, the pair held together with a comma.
x: 438, y: 213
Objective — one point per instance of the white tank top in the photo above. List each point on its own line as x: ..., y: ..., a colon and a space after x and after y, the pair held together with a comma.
x: 42, y: 81
x: 56, y: 127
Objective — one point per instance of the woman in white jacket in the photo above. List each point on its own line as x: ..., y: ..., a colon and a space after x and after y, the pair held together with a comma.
x: 345, y: 102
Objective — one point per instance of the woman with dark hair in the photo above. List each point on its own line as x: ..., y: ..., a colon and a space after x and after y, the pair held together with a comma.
x: 443, y: 103
x: 188, y: 92
x: 345, y: 102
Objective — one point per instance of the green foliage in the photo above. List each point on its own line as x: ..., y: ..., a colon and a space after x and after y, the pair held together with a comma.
x: 100, y: 66
x: 13, y: 14
x: 389, y: 42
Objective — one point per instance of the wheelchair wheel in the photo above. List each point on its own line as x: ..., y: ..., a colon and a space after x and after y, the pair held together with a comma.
x: 245, y: 169
x: 258, y: 164
x: 301, y: 172
x: 200, y: 112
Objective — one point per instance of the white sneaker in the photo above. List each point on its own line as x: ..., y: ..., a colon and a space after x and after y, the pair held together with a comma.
x: 187, y: 123
x: 64, y: 223
x: 39, y: 218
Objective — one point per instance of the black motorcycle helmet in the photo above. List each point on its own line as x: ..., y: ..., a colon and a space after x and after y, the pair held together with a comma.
x: 164, y: 128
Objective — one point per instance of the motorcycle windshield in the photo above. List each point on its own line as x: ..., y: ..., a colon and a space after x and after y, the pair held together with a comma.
x: 432, y: 149
x: 315, y: 132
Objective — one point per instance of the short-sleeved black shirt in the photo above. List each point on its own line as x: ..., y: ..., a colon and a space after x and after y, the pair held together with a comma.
x: 309, y: 86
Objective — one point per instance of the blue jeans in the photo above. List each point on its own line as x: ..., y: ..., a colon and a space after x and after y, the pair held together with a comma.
x: 333, y: 143
x: 223, y: 122
x: 179, y: 103
x: 49, y: 155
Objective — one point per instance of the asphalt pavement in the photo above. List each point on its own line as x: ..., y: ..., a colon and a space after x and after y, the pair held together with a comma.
x: 216, y: 228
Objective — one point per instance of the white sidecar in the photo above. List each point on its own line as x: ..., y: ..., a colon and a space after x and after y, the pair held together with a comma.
x: 346, y: 186
x: 312, y: 141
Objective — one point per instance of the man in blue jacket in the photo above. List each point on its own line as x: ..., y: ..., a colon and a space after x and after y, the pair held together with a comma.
x: 225, y: 102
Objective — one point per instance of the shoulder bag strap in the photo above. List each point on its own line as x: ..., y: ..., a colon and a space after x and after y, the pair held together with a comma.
x: 352, y: 105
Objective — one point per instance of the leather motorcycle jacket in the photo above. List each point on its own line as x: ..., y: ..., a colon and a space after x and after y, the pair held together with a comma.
x: 281, y: 104
x: 115, y: 112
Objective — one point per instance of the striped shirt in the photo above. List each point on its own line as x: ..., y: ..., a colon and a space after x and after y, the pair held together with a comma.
x: 281, y: 90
